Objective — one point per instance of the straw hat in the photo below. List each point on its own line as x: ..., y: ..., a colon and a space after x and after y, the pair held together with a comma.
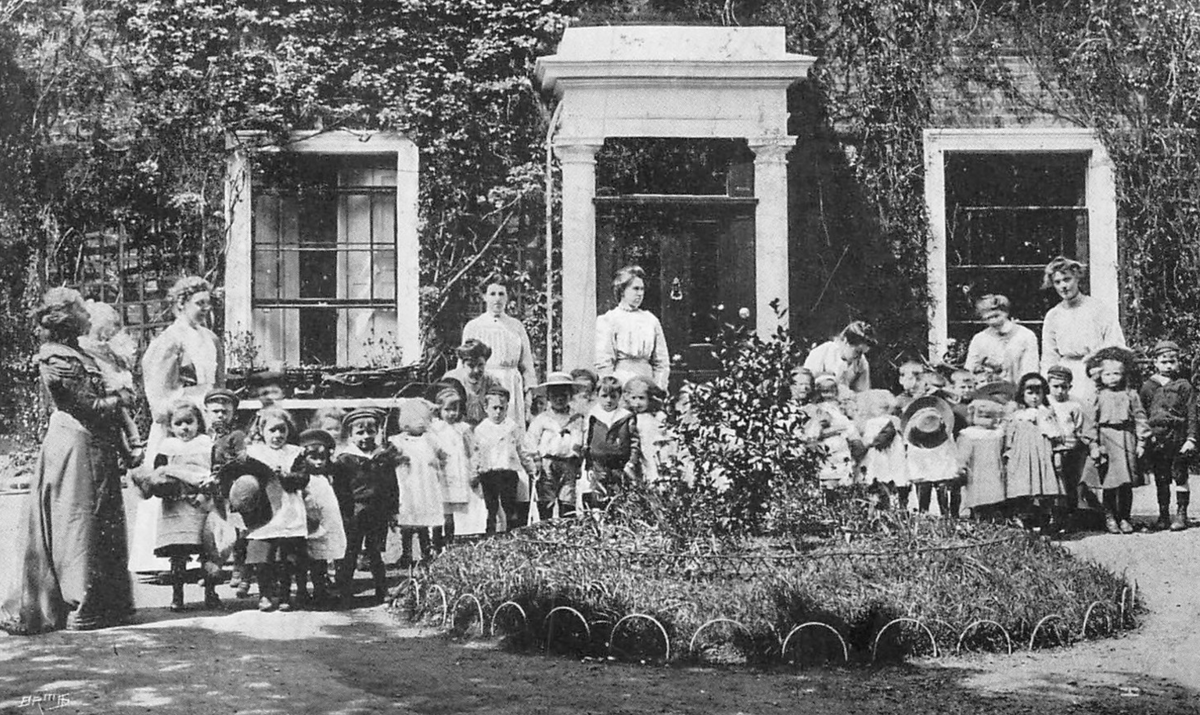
x: 927, y: 421
x: 557, y: 379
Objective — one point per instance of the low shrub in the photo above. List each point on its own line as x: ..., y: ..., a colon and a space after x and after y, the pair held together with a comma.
x: 948, y: 575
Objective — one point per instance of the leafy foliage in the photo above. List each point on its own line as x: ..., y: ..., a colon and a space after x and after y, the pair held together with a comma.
x: 745, y: 439
x: 1132, y: 71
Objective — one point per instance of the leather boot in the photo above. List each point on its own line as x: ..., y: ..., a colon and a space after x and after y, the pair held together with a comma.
x: 379, y: 578
x: 178, y: 571
x: 1182, y: 497
x: 1164, y: 521
x: 211, y: 599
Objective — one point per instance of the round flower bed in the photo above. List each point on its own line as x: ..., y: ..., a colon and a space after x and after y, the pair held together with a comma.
x: 904, y: 585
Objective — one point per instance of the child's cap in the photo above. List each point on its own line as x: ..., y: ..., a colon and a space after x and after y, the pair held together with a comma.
x: 220, y: 394
x: 317, y: 436
x: 1164, y: 346
x: 362, y: 413
x: 1061, y: 372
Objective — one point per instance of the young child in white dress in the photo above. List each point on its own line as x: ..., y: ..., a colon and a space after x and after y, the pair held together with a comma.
x: 832, y: 428
x: 326, y: 541
x: 883, y: 464
x: 183, y: 478
x: 419, y: 476
x: 277, y: 549
x: 454, y: 439
x: 644, y: 399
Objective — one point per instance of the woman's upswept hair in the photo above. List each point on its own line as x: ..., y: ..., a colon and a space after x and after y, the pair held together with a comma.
x: 185, y: 288
x: 1061, y: 264
x: 57, y: 315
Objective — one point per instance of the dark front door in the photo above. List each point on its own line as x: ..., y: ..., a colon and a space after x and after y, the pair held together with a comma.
x: 698, y: 254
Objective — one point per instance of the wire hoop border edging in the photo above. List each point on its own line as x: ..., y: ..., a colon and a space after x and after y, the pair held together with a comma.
x: 982, y: 622
x: 797, y: 629
x: 550, y: 623
x: 454, y: 611
x: 496, y: 614
x: 1036, y: 628
x: 666, y: 638
x: 691, y: 649
x: 904, y: 619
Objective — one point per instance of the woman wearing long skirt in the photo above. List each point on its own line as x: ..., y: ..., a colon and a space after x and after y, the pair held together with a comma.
x: 74, y: 569
x: 185, y: 361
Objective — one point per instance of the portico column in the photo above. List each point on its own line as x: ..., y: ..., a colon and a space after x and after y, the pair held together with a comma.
x: 770, y: 230
x: 578, y: 253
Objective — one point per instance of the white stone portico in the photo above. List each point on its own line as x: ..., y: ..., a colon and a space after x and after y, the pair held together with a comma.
x: 671, y: 82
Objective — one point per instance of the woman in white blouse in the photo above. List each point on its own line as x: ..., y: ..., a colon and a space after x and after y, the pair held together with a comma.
x: 629, y: 340
x: 1004, y: 349
x: 845, y: 357
x: 184, y: 361
x: 1077, y: 327
x: 511, y: 362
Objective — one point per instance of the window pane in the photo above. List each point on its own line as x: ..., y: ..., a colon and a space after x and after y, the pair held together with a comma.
x: 327, y: 335
x: 1007, y: 215
x: 318, y: 336
x: 318, y: 220
x: 385, y: 274
x: 318, y: 274
x: 266, y: 274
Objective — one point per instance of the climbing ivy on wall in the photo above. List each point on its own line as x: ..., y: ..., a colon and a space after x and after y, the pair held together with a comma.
x: 144, y: 94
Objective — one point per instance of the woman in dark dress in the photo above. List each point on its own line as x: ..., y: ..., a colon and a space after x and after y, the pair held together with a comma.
x: 74, y: 570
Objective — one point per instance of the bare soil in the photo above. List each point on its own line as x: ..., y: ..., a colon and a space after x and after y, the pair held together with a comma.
x: 365, y: 660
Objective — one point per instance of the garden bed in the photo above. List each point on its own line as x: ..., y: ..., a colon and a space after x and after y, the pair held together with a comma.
x: 918, y: 586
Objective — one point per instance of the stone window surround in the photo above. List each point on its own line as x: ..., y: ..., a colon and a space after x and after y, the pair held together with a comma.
x: 1100, y: 201
x: 239, y: 216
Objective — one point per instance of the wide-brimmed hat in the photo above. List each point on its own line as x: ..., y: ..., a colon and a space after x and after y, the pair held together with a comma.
x: 244, y: 494
x: 557, y: 379
x: 927, y: 415
x: 1001, y: 391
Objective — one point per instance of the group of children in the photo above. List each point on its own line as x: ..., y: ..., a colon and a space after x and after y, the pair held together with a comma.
x: 295, y: 508
x: 1027, y: 452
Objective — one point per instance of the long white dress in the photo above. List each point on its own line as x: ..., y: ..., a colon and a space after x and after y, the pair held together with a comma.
x: 180, y: 356
x: 632, y: 343
x: 328, y: 542
x: 418, y: 479
x: 289, y: 517
x: 1070, y: 333
x: 512, y: 357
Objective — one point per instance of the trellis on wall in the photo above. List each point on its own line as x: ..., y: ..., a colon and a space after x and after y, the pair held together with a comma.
x: 132, y: 275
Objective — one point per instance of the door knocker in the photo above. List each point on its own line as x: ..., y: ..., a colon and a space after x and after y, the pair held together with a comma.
x: 676, y: 290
